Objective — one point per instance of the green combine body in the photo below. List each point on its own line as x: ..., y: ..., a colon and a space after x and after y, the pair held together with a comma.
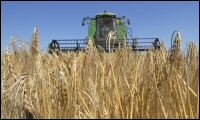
x: 118, y: 22
x: 99, y: 28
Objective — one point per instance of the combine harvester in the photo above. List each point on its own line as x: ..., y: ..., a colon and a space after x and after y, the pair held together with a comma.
x: 108, y: 32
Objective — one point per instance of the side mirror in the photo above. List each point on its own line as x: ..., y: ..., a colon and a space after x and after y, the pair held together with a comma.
x: 83, y: 21
x: 128, y: 20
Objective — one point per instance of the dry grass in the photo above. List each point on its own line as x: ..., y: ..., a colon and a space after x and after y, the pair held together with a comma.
x: 100, y: 85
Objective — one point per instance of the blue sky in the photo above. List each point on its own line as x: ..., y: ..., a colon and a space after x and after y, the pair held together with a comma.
x: 62, y: 20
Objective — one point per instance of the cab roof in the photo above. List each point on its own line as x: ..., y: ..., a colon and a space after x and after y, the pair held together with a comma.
x: 105, y: 13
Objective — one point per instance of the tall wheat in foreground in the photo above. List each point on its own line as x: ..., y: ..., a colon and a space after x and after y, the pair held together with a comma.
x: 99, y: 85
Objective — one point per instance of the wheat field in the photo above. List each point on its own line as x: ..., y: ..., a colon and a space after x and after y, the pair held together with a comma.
x: 95, y: 84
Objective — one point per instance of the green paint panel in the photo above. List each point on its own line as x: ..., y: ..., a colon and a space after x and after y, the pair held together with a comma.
x: 121, y: 27
x: 92, y: 28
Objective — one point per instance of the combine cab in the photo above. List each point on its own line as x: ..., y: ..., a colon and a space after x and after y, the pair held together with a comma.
x: 108, y: 32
